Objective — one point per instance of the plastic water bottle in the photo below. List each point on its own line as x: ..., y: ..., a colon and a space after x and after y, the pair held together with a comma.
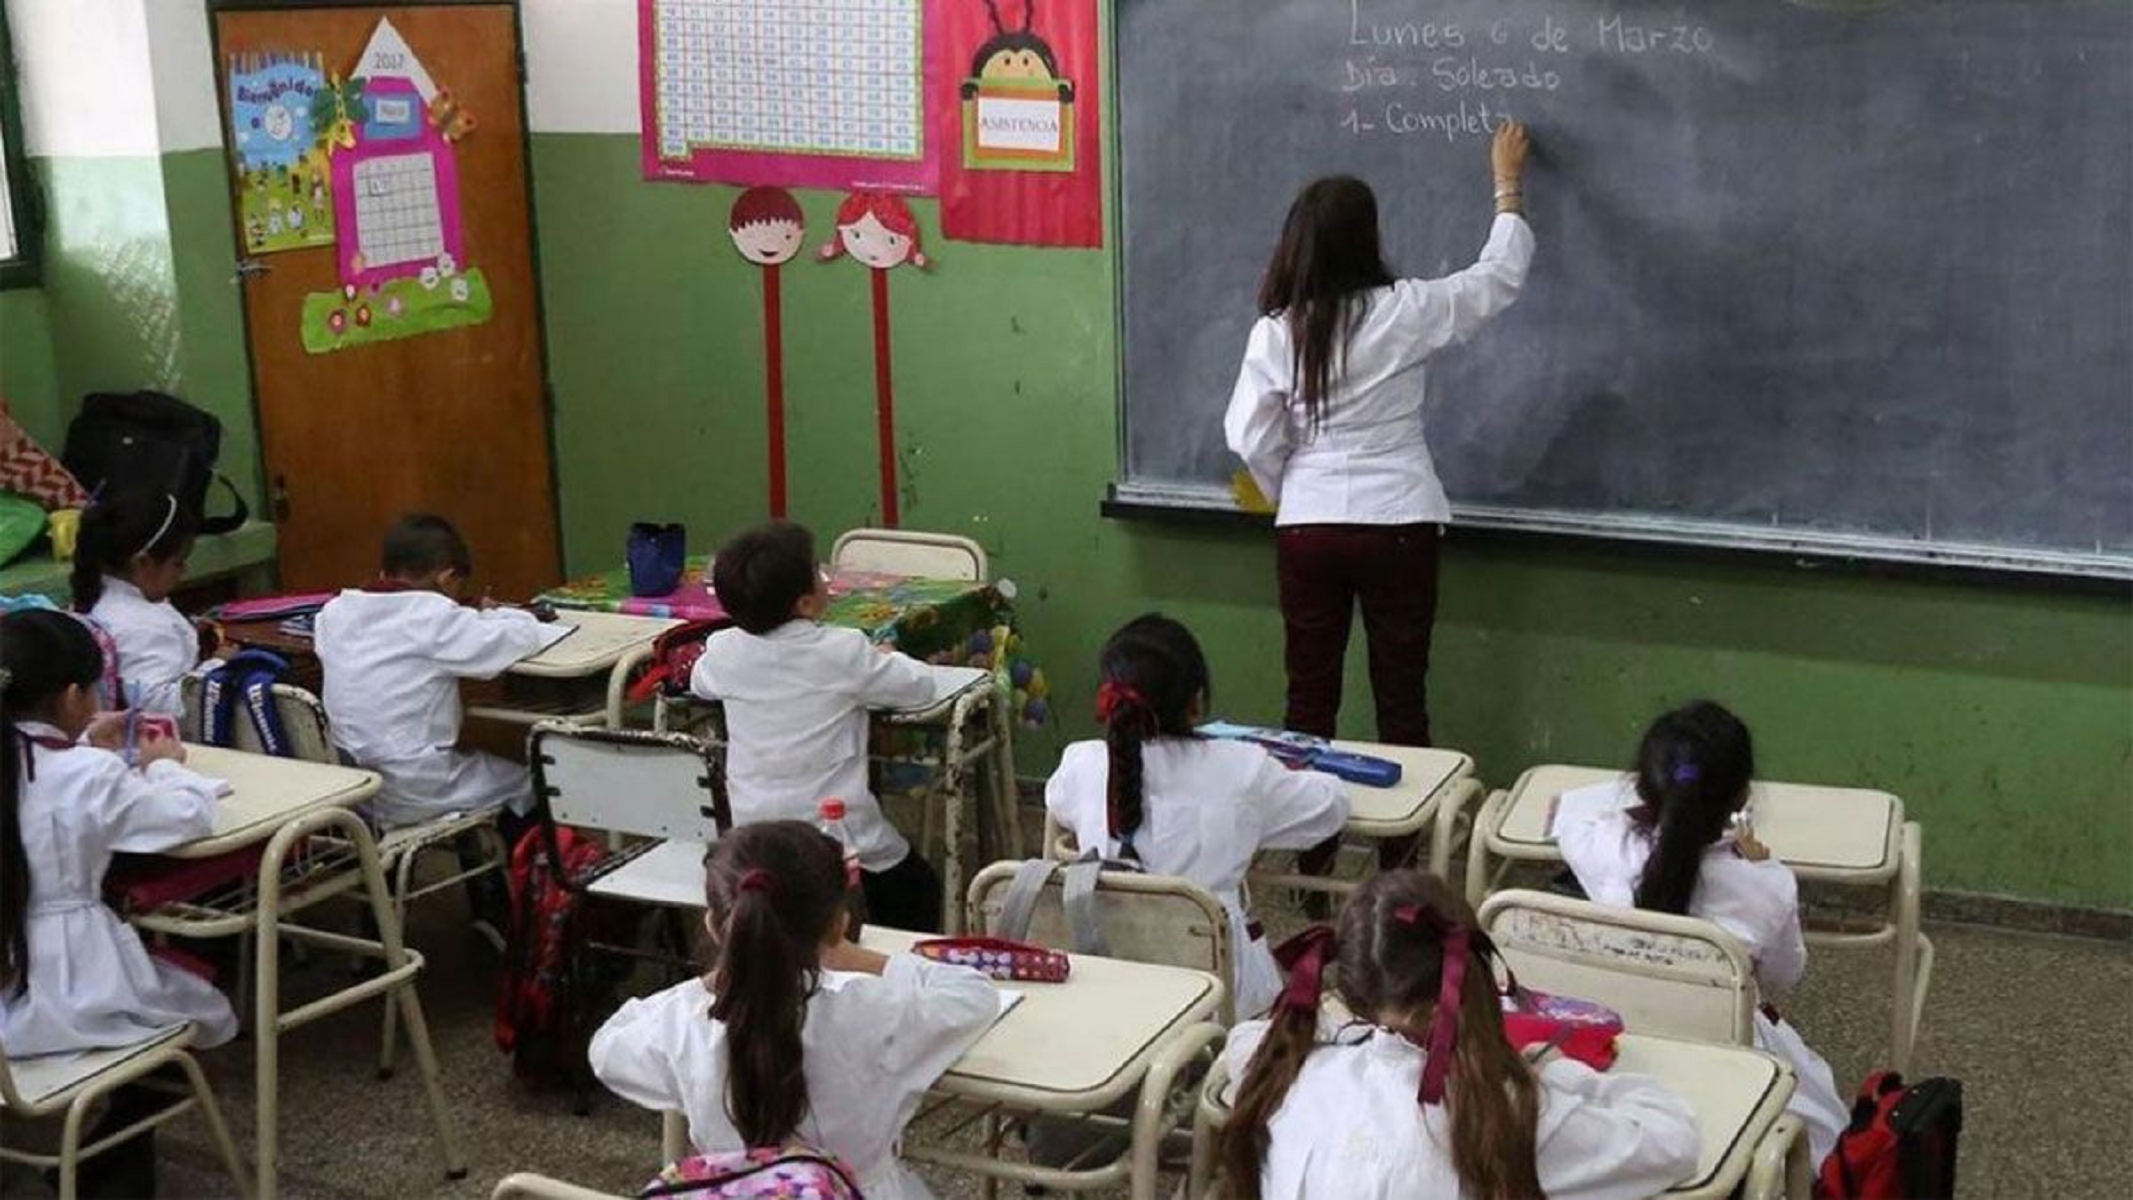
x: 831, y: 822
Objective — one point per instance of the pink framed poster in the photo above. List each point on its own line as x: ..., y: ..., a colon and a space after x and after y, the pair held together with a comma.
x: 396, y: 193
x: 789, y: 93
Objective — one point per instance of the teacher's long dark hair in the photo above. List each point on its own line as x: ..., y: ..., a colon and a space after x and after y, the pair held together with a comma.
x: 773, y: 890
x: 1329, y: 251
x: 43, y: 653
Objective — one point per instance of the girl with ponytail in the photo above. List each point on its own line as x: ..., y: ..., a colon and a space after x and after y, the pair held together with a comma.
x: 1327, y: 1106
x: 73, y: 976
x: 128, y: 558
x: 795, y: 1034
x: 1181, y: 805
x: 1674, y: 836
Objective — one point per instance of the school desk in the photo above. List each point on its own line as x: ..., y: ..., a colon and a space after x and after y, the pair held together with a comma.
x: 316, y: 848
x: 1114, y: 1029
x: 1738, y: 1095
x: 539, y: 687
x: 1433, y: 793
x: 1849, y: 837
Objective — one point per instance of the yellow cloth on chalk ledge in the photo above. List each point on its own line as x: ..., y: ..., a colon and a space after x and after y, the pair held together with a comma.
x: 1249, y: 497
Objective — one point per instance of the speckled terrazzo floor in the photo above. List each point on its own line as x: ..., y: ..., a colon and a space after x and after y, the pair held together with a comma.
x: 2039, y: 1028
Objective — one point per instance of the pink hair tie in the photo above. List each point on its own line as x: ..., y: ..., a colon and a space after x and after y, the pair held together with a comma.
x: 757, y: 880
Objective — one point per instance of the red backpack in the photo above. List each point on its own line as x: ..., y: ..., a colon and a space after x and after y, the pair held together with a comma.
x: 544, y: 1003
x: 1900, y: 1144
x: 674, y: 656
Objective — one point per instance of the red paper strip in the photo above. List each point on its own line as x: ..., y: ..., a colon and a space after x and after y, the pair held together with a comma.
x: 774, y: 386
x: 884, y: 399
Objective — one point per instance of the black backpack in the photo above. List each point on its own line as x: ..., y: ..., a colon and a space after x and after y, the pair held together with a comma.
x: 150, y: 440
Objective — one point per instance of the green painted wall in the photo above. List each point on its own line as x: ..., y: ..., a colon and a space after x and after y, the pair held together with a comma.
x: 27, y: 378
x: 139, y: 291
x: 2003, y: 715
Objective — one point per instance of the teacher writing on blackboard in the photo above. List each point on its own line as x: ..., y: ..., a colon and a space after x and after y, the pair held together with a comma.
x: 1327, y: 416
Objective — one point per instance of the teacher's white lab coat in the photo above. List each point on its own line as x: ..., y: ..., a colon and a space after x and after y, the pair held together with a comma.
x: 157, y: 646
x: 1209, y: 807
x: 91, y: 982
x: 1368, y: 462
x: 797, y: 701
x: 1351, y: 1128
x: 870, y: 1047
x: 1757, y: 902
x: 393, y: 662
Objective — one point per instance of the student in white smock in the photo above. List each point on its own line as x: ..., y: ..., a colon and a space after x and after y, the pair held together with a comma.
x: 128, y: 558
x: 795, y: 1033
x: 798, y: 695
x: 1415, y: 1090
x: 393, y: 654
x: 74, y: 976
x: 1671, y: 843
x: 1182, y: 805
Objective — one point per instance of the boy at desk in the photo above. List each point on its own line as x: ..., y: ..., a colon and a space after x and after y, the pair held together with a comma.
x: 394, y: 652
x: 797, y: 693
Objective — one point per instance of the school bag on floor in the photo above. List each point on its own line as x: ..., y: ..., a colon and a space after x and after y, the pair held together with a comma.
x: 153, y: 442
x: 795, y: 1172
x: 546, y: 998
x: 1900, y: 1144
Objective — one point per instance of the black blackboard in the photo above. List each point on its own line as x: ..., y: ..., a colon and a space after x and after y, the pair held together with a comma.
x: 1829, y: 275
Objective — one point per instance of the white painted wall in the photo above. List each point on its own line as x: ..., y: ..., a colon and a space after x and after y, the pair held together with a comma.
x: 581, y: 65
x: 114, y: 77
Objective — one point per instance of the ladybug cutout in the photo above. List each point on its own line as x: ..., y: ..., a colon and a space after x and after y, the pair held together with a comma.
x: 1019, y: 55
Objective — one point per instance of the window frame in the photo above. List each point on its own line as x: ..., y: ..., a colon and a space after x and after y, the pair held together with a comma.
x: 24, y: 198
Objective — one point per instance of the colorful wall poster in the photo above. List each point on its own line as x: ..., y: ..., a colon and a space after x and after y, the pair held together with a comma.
x: 790, y: 93
x: 1022, y: 111
x: 401, y: 253
x: 279, y: 110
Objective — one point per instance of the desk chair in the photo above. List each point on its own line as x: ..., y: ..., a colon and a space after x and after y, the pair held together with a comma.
x: 902, y: 552
x: 1669, y: 975
x: 1850, y: 837
x: 72, y: 1084
x: 1122, y: 914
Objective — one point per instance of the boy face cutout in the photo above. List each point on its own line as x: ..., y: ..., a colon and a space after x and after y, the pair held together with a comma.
x: 768, y: 243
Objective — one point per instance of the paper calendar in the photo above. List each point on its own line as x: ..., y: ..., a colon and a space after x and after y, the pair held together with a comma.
x: 821, y: 93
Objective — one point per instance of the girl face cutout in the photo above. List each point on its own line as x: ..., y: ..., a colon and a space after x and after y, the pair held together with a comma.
x: 874, y: 244
x: 768, y: 243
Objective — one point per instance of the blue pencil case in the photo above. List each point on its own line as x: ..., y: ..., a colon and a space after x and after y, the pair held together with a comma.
x: 1305, y: 752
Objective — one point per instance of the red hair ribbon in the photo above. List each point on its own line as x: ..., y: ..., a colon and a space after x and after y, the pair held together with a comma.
x: 1124, y: 702
x: 1304, y: 957
x: 1442, y: 1037
x: 758, y: 880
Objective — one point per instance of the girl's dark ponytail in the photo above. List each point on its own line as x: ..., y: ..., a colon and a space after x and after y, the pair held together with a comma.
x: 1292, y: 1033
x: 1153, y: 675
x: 117, y: 527
x: 1693, y: 771
x: 42, y: 652
x: 774, y: 889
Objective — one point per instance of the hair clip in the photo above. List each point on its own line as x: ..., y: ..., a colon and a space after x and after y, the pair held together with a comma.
x: 757, y: 880
x: 1687, y: 772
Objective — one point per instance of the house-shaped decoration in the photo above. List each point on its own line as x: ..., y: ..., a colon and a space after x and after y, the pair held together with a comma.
x: 396, y: 193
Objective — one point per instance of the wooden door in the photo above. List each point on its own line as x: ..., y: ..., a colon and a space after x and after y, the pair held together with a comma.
x: 454, y: 421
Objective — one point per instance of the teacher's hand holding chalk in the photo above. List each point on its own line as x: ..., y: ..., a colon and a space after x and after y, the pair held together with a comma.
x: 1507, y: 158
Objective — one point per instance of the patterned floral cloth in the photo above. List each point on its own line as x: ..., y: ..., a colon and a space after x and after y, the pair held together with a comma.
x: 793, y: 1173
x: 944, y: 621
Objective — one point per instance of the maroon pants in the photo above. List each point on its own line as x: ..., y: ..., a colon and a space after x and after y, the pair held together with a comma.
x: 1325, y: 572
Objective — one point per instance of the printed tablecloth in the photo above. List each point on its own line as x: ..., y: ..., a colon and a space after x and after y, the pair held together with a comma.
x: 951, y: 622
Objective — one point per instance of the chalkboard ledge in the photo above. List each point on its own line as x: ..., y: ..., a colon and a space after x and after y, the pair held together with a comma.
x: 1825, y: 552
